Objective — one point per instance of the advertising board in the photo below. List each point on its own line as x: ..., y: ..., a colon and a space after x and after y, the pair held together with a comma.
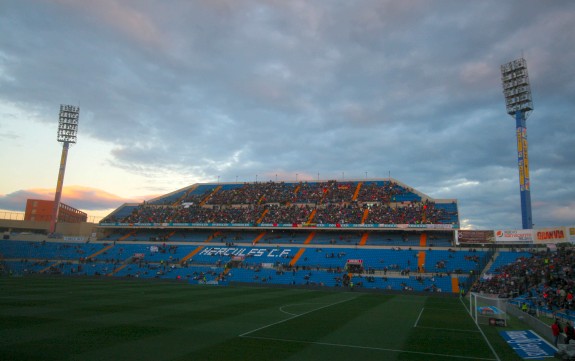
x: 514, y: 236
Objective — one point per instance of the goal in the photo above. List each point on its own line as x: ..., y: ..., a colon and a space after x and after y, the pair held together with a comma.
x: 488, y: 309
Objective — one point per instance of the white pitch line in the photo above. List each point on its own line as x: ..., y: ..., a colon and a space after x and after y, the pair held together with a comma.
x: 444, y: 309
x: 296, y: 304
x: 286, y: 312
x: 295, y: 316
x: 371, y: 348
x: 447, y: 329
x: 418, y: 317
x: 484, y: 337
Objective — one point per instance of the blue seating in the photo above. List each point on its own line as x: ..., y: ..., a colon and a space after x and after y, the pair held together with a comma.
x: 47, y: 250
x: 318, y: 265
x: 507, y: 257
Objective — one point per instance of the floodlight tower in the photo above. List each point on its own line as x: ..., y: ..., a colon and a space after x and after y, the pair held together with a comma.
x: 517, y: 92
x: 67, y: 131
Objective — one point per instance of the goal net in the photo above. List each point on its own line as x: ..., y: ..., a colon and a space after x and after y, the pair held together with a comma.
x: 488, y: 309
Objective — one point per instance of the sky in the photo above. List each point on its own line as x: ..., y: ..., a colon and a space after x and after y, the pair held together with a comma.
x: 173, y: 93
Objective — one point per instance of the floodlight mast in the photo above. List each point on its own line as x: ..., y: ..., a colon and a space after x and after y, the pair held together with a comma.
x: 67, y: 131
x: 519, y: 103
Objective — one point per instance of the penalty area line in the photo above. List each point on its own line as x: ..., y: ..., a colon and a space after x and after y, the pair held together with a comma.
x: 296, y: 304
x: 447, y: 329
x: 370, y: 348
x: 294, y: 316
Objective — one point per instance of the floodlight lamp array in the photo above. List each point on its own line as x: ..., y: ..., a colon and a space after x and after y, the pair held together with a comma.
x: 68, y: 123
x: 516, y: 87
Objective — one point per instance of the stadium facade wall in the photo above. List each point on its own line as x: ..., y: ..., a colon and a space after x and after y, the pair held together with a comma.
x: 84, y: 229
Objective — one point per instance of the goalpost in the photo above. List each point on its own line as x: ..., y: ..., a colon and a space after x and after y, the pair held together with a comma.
x: 488, y: 309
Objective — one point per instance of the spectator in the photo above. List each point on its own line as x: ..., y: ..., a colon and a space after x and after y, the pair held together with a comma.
x: 556, y: 330
x: 569, y: 332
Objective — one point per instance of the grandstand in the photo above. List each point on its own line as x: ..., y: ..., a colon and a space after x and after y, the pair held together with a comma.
x: 366, y: 204
x: 374, y: 234
x: 371, y: 235
x: 288, y: 233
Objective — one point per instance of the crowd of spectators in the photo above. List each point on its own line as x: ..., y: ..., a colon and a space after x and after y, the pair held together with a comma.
x: 252, y: 193
x: 334, y: 213
x: 546, y: 280
x: 298, y: 213
x: 191, y: 214
x: 303, y: 192
x: 412, y: 213
x: 293, y: 203
x: 288, y: 214
x: 375, y: 192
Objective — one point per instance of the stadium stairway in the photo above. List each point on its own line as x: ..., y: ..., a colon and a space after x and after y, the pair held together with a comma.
x: 489, y: 265
x: 214, y: 235
x: 222, y: 276
x: 296, y: 190
x: 364, y: 238
x: 55, y: 264
x: 258, y: 238
x: 421, y: 261
x: 297, y: 257
x: 311, y: 216
x: 260, y: 220
x: 126, y: 236
x: 356, y: 193
x: 423, y: 240
x: 309, y: 238
x: 365, y: 215
x: 191, y: 254
x: 454, y: 284
x: 505, y: 257
x: 205, y: 200
x: 118, y: 269
x: 185, y: 195
x: 105, y: 249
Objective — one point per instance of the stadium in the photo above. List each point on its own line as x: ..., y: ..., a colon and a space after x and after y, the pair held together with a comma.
x: 304, y: 270
x: 430, y: 264
x: 321, y: 269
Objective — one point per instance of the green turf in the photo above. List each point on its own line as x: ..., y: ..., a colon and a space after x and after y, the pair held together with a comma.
x: 114, y: 319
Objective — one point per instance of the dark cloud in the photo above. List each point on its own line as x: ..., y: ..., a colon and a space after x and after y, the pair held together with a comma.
x: 234, y: 89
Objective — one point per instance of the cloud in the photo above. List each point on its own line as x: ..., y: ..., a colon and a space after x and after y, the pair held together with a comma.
x: 120, y: 16
x: 79, y: 197
x: 564, y: 213
x: 230, y: 89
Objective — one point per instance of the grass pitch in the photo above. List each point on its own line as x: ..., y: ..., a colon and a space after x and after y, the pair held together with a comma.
x: 115, y: 319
